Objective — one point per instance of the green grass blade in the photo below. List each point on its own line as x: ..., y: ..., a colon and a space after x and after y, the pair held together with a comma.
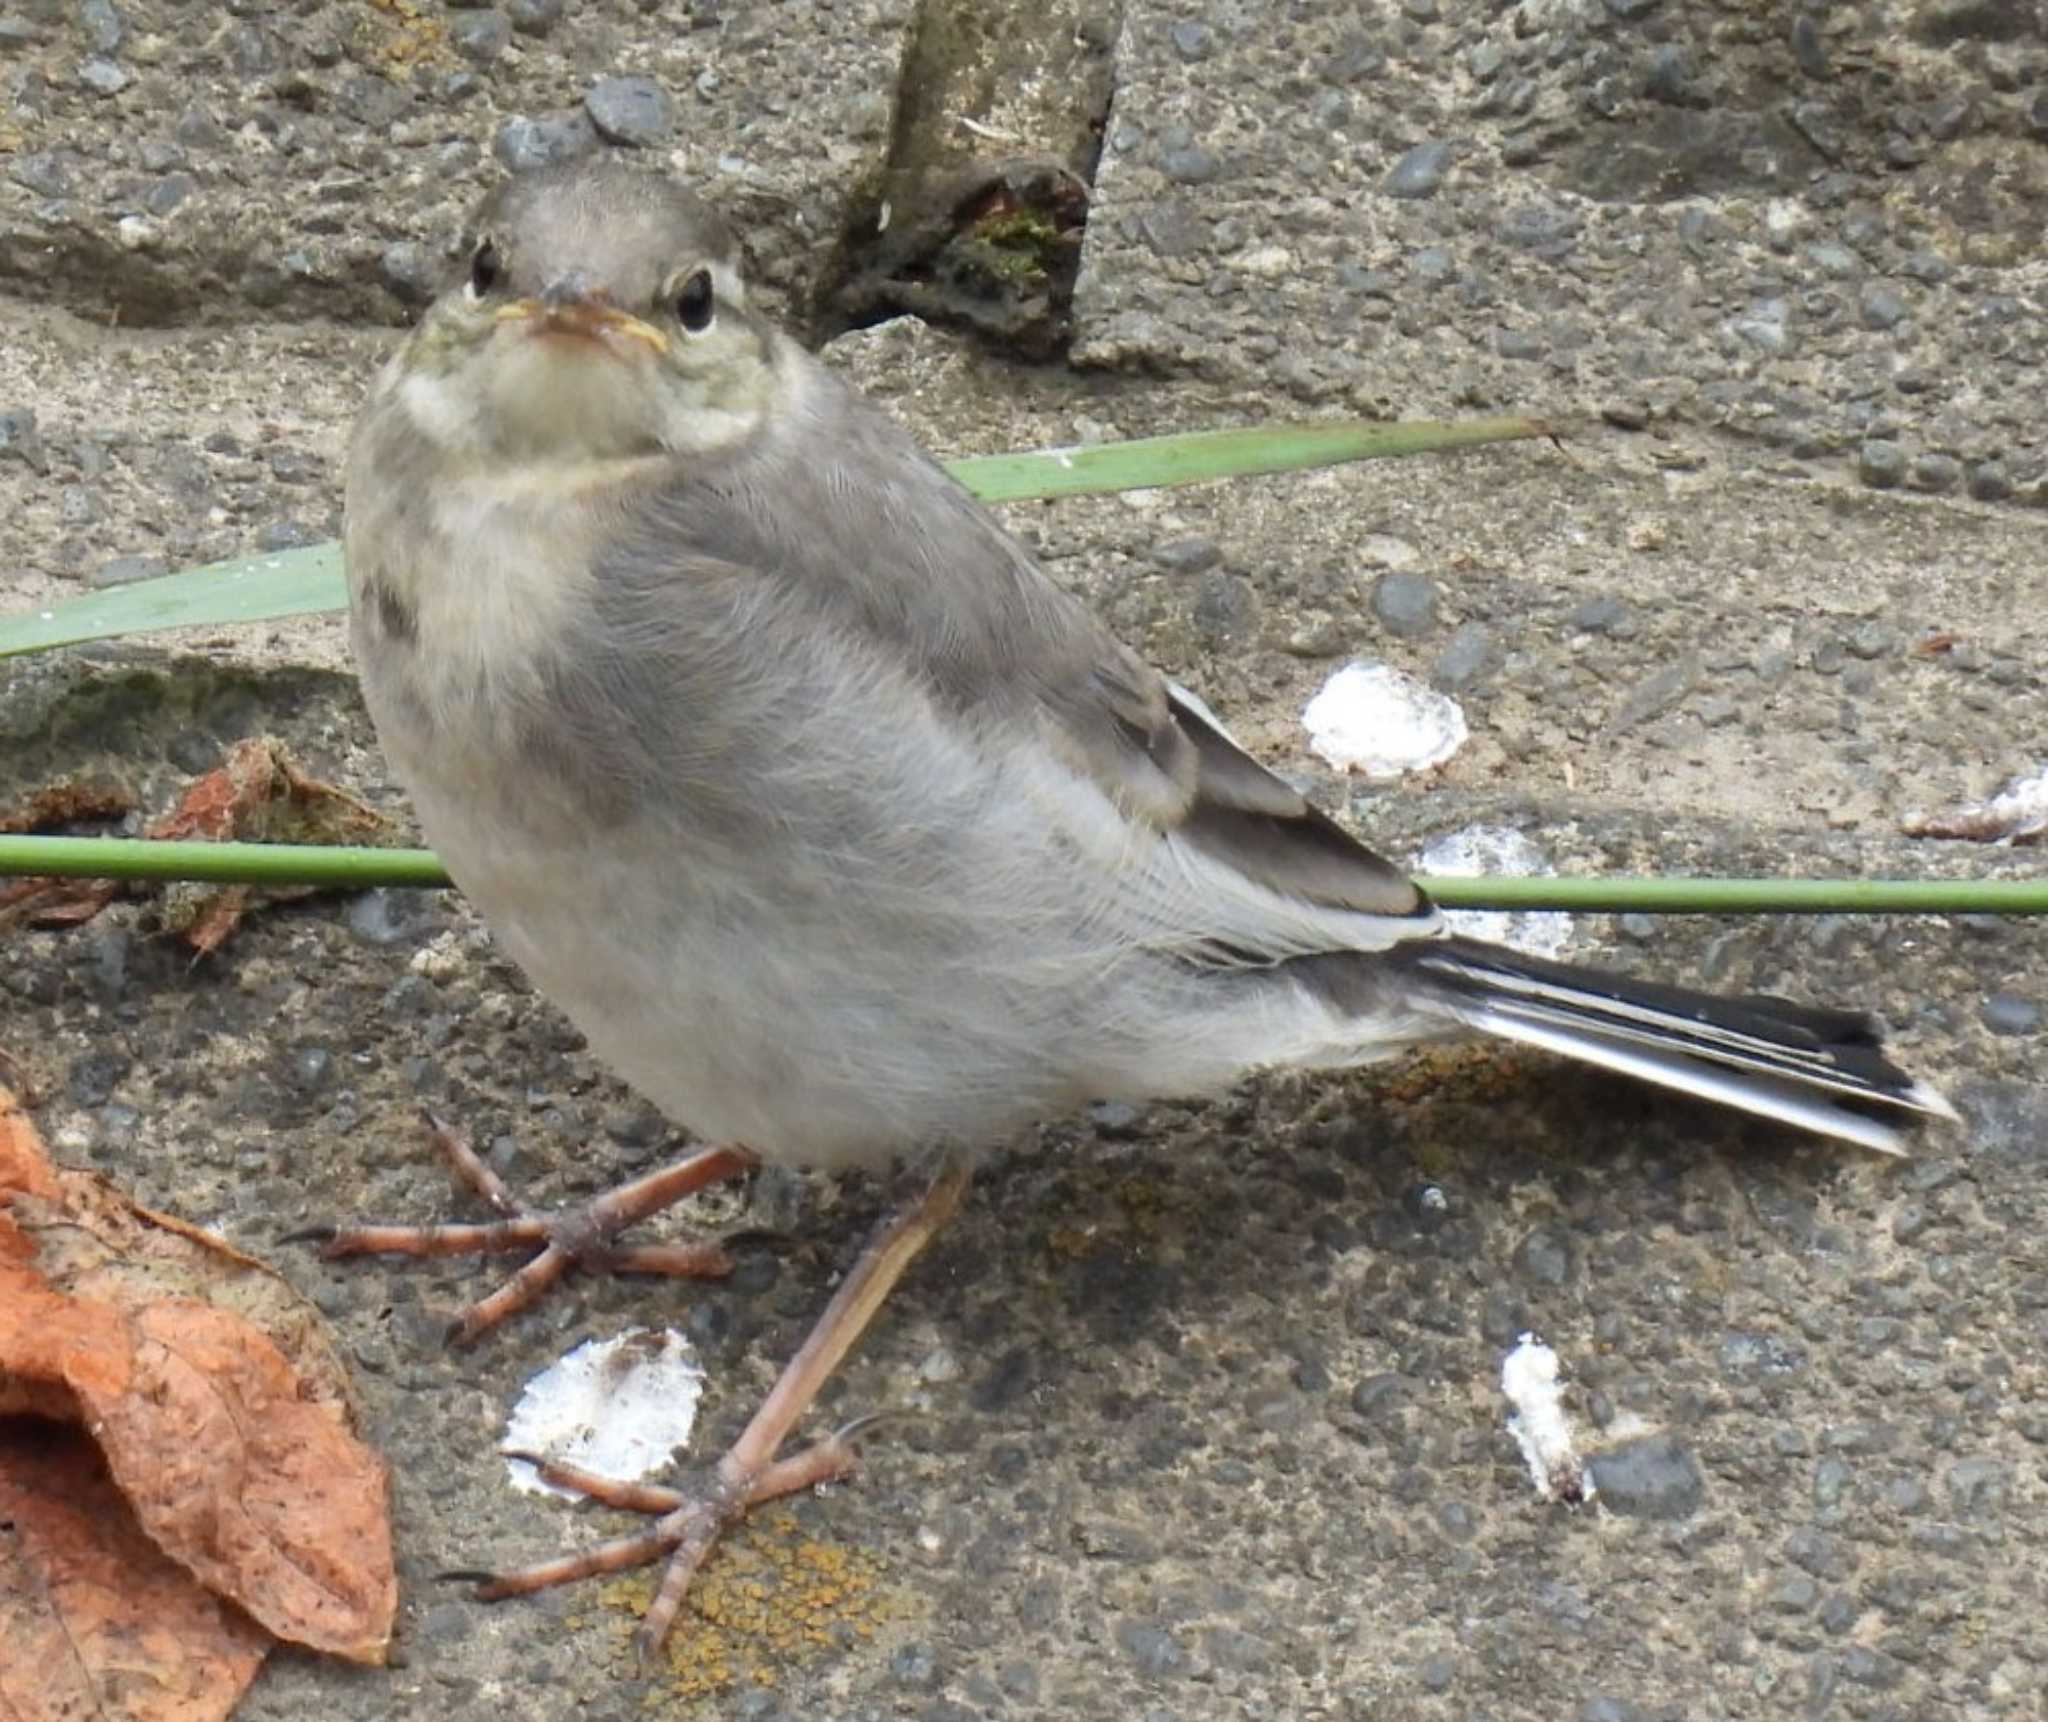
x: 309, y: 581
x: 224, y: 594
x: 1197, y: 457
x: 357, y: 869
x: 1677, y: 896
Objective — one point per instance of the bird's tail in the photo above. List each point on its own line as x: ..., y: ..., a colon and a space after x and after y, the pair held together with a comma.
x: 1822, y: 1069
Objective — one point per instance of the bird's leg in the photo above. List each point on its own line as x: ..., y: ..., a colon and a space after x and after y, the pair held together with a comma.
x: 750, y: 1472
x: 584, y: 1236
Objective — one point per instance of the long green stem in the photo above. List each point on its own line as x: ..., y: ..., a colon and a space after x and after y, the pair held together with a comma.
x: 338, y: 866
x: 1620, y: 895
x: 359, y: 869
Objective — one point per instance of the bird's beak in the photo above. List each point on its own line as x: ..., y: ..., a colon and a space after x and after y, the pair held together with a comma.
x: 571, y: 307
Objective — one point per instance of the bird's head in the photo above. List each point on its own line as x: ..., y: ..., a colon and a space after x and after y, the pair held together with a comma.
x: 600, y: 315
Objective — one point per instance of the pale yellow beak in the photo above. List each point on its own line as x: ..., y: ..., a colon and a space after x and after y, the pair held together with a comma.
x: 582, y: 317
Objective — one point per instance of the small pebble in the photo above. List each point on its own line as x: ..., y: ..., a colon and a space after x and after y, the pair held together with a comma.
x: 1989, y: 481
x: 2009, y: 1014
x: 480, y: 36
x: 632, y: 110
x: 411, y: 271
x: 1405, y: 604
x: 1879, y: 306
x: 286, y: 535
x: 1377, y: 1395
x: 1192, y: 166
x: 19, y: 439
x: 1671, y: 77
x: 105, y: 28
x: 1544, y: 1257
x: 1419, y: 172
x: 1651, y: 1478
x: 1187, y: 555
x: 1830, y: 1482
x: 1602, y: 615
x: 1795, y: 1594
x: 47, y: 173
x: 1807, y: 48
x: 102, y: 76
x: 915, y: 1666
x: 523, y: 145
x: 1153, y: 1649
x: 1935, y: 473
x: 168, y: 193
x: 1470, y: 655
x: 535, y: 17
x: 1881, y: 464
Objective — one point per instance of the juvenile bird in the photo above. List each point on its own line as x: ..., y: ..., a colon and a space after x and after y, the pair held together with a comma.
x: 841, y: 831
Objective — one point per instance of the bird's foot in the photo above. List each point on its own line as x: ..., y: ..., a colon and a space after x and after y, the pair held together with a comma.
x: 585, y: 1236
x: 687, y: 1522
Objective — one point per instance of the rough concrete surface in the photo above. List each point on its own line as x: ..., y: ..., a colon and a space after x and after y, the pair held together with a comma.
x: 1207, y: 1420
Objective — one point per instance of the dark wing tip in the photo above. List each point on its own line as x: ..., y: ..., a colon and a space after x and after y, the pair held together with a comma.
x: 1259, y: 824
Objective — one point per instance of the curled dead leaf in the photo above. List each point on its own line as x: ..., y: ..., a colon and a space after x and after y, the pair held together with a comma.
x: 210, y: 1390
x: 95, y: 1620
x: 67, y: 802
x: 2017, y: 814
x: 256, y: 794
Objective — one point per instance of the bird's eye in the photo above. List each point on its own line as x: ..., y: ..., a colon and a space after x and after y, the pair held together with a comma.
x: 484, y: 269
x: 695, y: 302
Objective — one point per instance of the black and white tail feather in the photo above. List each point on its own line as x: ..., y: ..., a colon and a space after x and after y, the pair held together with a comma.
x: 1284, y: 879
x: 1824, y: 1070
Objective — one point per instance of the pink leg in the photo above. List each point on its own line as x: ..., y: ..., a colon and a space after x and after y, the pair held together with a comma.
x: 750, y: 1472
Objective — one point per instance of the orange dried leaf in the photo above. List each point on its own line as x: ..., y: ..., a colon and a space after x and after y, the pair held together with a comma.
x: 67, y: 803
x: 258, y: 793
x: 95, y: 1621
x: 213, y: 1393
x: 55, y: 902
x: 262, y: 1496
x: 219, y: 913
x: 24, y: 1163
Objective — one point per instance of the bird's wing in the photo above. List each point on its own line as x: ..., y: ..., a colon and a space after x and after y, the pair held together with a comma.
x: 845, y: 503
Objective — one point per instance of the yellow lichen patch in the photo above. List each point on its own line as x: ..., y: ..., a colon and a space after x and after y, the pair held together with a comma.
x: 767, y: 1600
x: 1072, y: 1243
x: 1144, y: 1204
x: 1135, y: 1214
x: 404, y: 34
x: 1479, y: 1072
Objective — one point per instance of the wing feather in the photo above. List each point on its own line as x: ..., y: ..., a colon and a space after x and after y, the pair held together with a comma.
x: 874, y: 531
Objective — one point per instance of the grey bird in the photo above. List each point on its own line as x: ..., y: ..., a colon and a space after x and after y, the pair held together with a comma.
x: 841, y: 831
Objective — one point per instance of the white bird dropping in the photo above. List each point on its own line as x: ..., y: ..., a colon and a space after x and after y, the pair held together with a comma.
x: 1529, y: 1378
x: 1381, y: 723
x: 620, y: 1407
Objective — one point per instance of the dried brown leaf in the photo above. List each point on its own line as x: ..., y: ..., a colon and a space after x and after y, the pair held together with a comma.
x: 2016, y: 815
x: 68, y: 802
x: 257, y: 794
x: 95, y: 1620
x: 236, y: 1459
